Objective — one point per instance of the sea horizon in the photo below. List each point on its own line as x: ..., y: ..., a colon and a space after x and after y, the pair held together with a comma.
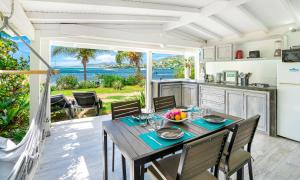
x: 158, y: 73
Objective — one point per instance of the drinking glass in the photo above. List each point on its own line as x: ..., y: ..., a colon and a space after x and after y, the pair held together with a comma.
x: 158, y: 123
x: 151, y: 122
x: 207, y: 111
x: 143, y: 120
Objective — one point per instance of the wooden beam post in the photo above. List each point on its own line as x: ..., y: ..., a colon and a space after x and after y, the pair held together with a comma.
x: 148, y: 89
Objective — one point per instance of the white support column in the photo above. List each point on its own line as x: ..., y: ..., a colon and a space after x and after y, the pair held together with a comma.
x: 42, y: 46
x: 148, y: 89
x: 34, y: 79
x: 197, y: 64
x: 46, y: 54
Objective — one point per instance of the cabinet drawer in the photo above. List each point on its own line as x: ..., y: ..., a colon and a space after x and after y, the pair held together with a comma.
x: 216, y: 106
x: 213, y: 97
x: 212, y: 90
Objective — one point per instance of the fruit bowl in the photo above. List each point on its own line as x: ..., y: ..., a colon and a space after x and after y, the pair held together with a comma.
x: 176, y: 116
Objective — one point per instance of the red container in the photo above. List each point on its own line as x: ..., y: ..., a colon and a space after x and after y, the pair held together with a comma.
x: 239, y: 54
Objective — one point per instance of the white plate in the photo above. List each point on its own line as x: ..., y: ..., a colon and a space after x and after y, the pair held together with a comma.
x: 170, y: 133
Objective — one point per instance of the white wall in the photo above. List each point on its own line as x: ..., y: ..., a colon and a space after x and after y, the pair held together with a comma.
x: 293, y: 39
x: 264, y: 71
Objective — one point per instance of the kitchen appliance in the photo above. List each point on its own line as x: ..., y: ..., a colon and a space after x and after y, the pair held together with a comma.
x: 288, y: 92
x: 277, y: 52
x: 219, y: 77
x: 291, y: 55
x: 260, y: 85
x: 231, y: 76
x: 254, y: 54
x: 244, y: 78
x: 239, y: 54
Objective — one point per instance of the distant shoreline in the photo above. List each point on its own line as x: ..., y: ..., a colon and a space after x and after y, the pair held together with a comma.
x: 158, y: 73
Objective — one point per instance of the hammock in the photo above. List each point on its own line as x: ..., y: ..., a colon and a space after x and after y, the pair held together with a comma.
x: 17, y: 162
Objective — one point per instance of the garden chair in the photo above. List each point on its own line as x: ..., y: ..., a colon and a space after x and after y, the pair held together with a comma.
x: 60, y: 102
x: 122, y: 109
x: 87, y: 100
x: 164, y: 102
x: 193, y: 163
x: 235, y: 157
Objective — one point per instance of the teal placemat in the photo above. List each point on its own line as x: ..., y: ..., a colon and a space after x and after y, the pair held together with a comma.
x: 130, y: 121
x: 155, y: 142
x: 211, y: 126
x: 193, y: 109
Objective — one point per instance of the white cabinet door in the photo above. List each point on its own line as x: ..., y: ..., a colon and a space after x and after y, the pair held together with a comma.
x: 189, y: 95
x: 224, y: 52
x: 256, y: 103
x: 172, y: 90
x: 235, y: 103
x: 209, y: 53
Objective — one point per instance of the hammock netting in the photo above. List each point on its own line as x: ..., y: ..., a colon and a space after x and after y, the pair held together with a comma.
x: 18, y: 161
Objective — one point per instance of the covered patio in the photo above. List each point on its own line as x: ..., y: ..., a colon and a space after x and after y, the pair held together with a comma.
x: 71, y: 153
x: 210, y: 31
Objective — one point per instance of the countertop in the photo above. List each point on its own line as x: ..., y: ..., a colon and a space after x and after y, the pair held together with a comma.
x: 227, y: 85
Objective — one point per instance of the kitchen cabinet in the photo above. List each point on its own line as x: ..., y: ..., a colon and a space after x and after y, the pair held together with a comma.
x: 209, y: 53
x: 212, y: 97
x: 243, y: 102
x: 172, y: 90
x: 257, y: 103
x: 224, y: 52
x: 189, y: 95
x: 235, y: 103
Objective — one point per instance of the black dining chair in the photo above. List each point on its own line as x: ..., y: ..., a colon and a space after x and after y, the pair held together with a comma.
x: 164, y: 102
x: 60, y: 102
x: 193, y: 163
x: 123, y: 109
x: 235, y: 157
x: 87, y: 100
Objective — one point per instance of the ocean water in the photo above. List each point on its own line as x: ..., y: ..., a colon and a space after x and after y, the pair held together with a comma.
x: 158, y: 73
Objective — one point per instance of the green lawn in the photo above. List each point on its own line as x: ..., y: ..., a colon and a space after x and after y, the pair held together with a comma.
x: 100, y: 90
x: 112, y: 96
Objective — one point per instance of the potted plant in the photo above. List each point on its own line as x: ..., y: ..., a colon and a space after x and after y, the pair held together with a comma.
x: 188, y: 65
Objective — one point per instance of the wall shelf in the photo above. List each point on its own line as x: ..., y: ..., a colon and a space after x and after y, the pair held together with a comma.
x: 248, y: 59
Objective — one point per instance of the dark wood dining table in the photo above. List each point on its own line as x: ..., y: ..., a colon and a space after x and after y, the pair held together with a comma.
x: 138, y: 153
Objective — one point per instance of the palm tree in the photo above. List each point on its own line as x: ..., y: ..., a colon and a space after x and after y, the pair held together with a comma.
x: 134, y: 58
x: 82, y: 54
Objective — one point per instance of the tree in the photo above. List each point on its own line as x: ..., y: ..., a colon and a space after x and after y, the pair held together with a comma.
x: 134, y: 58
x: 82, y: 54
x: 14, y: 92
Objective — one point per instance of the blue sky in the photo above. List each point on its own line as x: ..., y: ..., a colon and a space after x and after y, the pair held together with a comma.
x: 23, y: 50
x: 68, y: 61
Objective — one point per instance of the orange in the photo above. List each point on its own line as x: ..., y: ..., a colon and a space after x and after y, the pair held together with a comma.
x: 177, y: 117
x: 183, y: 115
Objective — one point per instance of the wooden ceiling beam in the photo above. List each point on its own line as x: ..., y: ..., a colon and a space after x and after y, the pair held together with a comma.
x: 203, y: 31
x: 290, y: 9
x: 118, y: 4
x: 42, y: 17
x: 207, y: 11
x: 253, y: 18
x: 124, y: 36
x: 19, y: 20
x: 186, y: 35
x: 226, y: 25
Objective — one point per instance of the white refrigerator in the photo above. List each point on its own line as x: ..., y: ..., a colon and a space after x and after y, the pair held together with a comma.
x: 288, y: 107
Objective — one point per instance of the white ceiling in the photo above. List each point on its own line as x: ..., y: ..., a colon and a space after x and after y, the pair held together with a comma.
x: 187, y: 20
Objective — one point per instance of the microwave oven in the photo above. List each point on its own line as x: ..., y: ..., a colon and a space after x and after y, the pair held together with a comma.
x: 291, y: 55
